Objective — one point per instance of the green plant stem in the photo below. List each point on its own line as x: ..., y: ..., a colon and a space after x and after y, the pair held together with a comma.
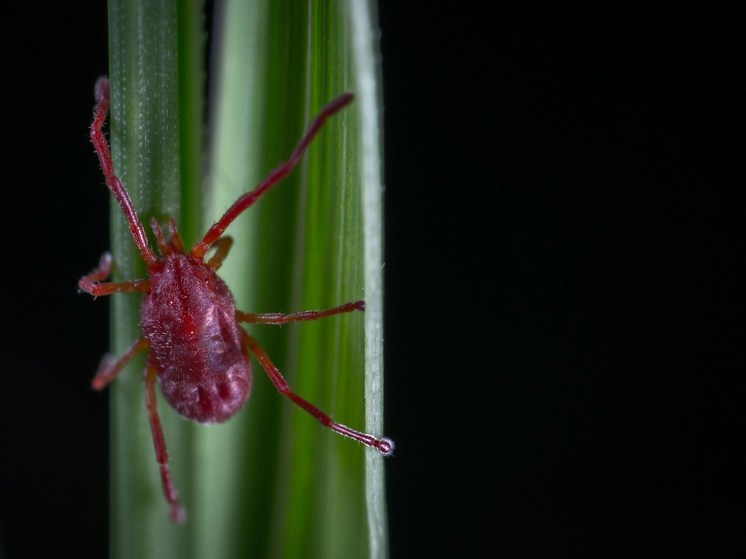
x: 150, y: 143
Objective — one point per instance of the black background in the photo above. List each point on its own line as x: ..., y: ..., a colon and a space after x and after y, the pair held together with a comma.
x: 565, y: 295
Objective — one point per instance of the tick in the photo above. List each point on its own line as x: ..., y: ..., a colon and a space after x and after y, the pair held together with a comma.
x: 197, y: 352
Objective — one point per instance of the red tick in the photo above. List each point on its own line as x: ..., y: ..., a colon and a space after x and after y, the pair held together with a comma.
x: 198, y: 353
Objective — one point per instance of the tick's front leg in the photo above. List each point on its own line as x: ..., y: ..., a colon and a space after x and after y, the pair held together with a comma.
x: 90, y: 283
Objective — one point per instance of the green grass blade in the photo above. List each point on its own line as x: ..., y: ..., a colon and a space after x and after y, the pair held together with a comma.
x: 150, y: 144
x: 290, y: 488
x: 364, y: 30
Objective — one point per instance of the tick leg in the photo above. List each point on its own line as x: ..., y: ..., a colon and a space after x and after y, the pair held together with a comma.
x: 222, y: 247
x: 277, y: 318
x: 103, y: 270
x: 247, y: 199
x: 177, y: 512
x: 101, y: 92
x: 111, y: 366
x: 109, y: 288
x: 90, y: 283
x: 383, y: 445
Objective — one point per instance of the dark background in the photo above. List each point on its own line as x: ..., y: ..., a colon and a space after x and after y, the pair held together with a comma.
x: 565, y: 295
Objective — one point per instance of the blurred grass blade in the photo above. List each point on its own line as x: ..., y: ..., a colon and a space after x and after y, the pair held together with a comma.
x: 273, y: 483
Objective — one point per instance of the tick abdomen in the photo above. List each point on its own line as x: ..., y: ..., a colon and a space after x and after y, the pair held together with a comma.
x: 188, y: 318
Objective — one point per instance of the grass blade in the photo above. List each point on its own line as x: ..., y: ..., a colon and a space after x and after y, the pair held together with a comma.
x: 314, y: 242
x: 153, y: 147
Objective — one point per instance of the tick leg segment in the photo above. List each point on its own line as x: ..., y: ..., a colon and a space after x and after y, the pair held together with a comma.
x: 111, y: 366
x: 90, y: 283
x: 383, y: 445
x: 247, y: 199
x: 101, y: 92
x: 222, y: 247
x: 103, y: 270
x: 278, y: 318
x: 177, y: 512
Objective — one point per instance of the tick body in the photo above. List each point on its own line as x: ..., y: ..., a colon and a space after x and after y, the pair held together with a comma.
x: 189, y: 322
x: 198, y: 353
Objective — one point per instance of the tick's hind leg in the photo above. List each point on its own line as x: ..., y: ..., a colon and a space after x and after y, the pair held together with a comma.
x: 90, y: 283
x: 277, y: 318
x: 177, y: 512
x: 383, y: 445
